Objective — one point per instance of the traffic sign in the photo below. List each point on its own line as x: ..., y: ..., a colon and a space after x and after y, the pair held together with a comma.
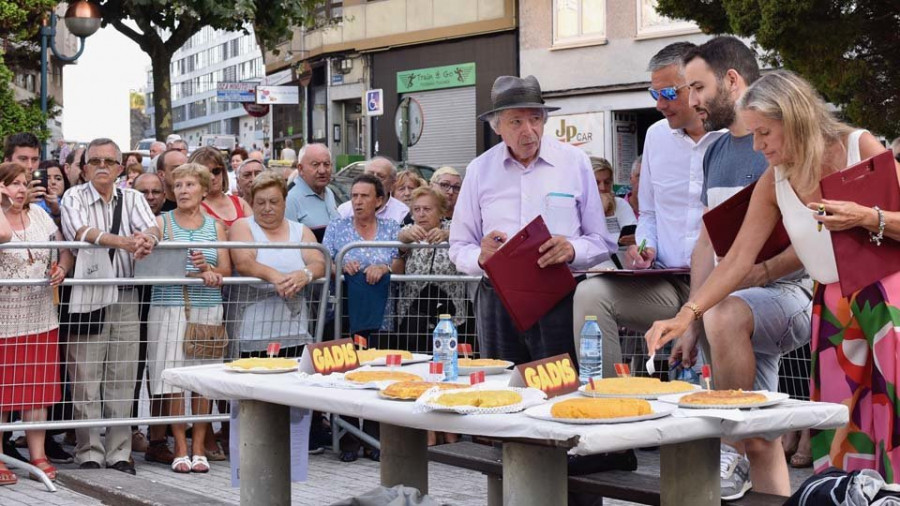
x: 374, y: 102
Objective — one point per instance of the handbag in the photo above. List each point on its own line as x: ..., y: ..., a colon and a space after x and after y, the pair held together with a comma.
x: 91, y: 323
x: 201, y: 341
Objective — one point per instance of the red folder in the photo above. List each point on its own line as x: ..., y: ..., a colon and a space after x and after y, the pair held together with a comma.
x: 871, y: 182
x: 527, y: 291
x: 724, y: 221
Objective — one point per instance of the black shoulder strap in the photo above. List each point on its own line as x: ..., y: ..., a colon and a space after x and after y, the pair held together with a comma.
x: 117, y: 220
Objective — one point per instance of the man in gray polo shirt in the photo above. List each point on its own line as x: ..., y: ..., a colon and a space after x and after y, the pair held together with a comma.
x: 311, y: 202
x: 748, y: 331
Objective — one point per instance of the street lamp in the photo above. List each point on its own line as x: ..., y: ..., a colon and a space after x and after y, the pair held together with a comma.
x: 82, y: 18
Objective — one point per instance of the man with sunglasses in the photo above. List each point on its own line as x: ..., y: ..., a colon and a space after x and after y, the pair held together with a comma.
x: 670, y: 219
x: 102, y: 363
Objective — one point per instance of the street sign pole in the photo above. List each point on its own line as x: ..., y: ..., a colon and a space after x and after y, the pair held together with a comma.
x: 404, y: 131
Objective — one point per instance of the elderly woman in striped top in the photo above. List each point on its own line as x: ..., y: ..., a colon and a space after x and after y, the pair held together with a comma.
x: 167, y: 320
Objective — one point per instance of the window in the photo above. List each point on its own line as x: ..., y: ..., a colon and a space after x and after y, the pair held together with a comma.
x: 578, y: 22
x: 178, y: 114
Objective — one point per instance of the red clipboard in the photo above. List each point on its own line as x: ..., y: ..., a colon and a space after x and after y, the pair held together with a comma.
x: 871, y: 182
x: 724, y: 221
x: 527, y: 291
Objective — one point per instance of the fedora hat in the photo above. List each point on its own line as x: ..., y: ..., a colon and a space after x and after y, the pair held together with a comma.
x: 511, y: 92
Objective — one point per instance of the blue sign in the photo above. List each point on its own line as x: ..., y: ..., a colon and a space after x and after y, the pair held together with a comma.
x: 236, y: 92
x: 374, y: 100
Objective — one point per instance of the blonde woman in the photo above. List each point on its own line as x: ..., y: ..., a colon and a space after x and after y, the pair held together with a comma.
x: 855, y: 339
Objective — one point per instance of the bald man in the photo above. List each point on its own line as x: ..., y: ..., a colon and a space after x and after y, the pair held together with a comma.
x: 311, y: 202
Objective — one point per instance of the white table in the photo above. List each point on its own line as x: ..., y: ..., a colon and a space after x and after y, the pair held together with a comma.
x: 534, y: 451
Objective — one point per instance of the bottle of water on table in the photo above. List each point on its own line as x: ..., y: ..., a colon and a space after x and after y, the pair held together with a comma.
x: 445, y: 341
x: 590, y: 362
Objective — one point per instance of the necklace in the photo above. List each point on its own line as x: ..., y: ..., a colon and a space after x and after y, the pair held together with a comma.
x: 24, y: 238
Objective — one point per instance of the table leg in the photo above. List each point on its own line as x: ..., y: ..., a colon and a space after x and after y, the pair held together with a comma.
x: 404, y: 457
x: 265, y: 470
x: 534, y: 475
x: 689, y: 473
x: 494, y: 491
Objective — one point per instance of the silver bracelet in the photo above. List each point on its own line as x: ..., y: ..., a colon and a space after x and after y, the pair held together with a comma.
x: 309, y: 275
x: 877, y: 238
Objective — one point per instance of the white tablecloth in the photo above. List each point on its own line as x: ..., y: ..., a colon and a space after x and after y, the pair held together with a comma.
x: 214, y: 381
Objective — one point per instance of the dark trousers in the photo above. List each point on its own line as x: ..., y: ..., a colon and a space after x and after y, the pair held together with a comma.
x: 498, y: 337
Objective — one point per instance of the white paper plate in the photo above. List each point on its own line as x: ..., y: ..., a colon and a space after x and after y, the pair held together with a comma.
x: 261, y: 370
x: 417, y: 359
x: 530, y: 397
x: 494, y: 369
x: 648, y: 397
x: 772, y: 398
x: 542, y: 412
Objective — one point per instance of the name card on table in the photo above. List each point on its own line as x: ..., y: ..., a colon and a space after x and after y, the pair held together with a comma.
x: 553, y: 375
x: 328, y: 357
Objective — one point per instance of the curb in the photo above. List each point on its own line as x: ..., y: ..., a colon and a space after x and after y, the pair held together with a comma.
x: 122, y: 489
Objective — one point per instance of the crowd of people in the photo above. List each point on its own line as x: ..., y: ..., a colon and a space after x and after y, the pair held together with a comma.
x: 726, y: 125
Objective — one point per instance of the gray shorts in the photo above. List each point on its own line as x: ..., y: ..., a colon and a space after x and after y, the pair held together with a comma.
x: 782, y: 320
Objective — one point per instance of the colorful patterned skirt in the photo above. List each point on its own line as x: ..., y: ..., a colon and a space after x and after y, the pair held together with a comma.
x: 855, y: 355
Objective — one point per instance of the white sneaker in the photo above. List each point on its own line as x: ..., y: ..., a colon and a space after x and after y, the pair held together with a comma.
x: 734, y: 474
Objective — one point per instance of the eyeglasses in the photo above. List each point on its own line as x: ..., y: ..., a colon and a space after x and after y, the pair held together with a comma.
x: 670, y: 93
x: 103, y: 162
x: 447, y: 187
x: 217, y: 171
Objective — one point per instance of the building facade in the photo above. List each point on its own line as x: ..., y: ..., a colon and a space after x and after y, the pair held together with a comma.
x: 445, y: 55
x: 591, y: 58
x: 209, y: 57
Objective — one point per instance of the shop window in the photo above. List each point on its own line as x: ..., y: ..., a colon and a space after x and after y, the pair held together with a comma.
x: 579, y: 22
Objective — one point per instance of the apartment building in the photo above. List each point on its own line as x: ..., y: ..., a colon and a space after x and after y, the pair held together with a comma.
x: 209, y: 57
x: 591, y: 57
x: 443, y: 54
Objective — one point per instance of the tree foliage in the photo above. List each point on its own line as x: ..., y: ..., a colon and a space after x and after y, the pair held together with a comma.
x: 19, y: 27
x: 163, y: 26
x: 849, y: 50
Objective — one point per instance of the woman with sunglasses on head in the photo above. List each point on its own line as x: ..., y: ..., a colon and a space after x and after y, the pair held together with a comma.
x: 224, y: 208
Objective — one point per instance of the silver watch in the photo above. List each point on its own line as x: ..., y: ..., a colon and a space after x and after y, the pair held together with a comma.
x: 309, y: 275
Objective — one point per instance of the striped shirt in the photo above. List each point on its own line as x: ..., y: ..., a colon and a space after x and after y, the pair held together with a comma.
x: 201, y: 296
x: 83, y: 206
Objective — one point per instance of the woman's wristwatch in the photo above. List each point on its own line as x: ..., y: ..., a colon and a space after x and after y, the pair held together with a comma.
x: 309, y: 275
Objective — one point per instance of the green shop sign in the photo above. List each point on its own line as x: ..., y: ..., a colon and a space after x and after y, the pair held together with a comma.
x: 435, y: 78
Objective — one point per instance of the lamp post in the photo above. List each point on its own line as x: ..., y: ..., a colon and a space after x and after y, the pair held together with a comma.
x: 82, y: 18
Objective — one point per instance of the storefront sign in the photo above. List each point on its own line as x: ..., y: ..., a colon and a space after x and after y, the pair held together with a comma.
x: 328, y: 357
x: 236, y: 92
x: 256, y: 110
x: 584, y: 131
x: 553, y: 375
x: 436, y: 78
x: 277, y: 95
x: 625, y: 147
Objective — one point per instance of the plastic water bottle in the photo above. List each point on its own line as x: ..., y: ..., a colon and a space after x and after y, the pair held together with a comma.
x: 445, y: 341
x: 590, y: 363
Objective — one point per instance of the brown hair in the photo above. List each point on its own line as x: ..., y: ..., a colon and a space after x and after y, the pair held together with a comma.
x: 266, y: 180
x: 439, y: 198
x: 211, y: 158
x: 134, y: 168
x: 405, y: 175
x: 9, y: 171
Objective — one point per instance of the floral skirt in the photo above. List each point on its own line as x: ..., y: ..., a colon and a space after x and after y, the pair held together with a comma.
x: 855, y: 355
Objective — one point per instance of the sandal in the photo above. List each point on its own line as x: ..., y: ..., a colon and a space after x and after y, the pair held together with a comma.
x: 801, y: 461
x: 44, y: 465
x: 182, y: 461
x: 199, y: 464
x: 216, y: 455
x: 7, y: 477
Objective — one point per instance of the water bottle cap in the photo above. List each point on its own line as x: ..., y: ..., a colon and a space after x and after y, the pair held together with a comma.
x: 444, y: 317
x: 590, y: 318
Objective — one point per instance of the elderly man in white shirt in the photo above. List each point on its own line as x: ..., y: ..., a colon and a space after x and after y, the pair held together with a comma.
x: 392, y: 209
x: 670, y: 220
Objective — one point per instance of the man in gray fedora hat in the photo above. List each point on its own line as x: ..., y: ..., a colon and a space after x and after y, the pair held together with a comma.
x: 505, y: 188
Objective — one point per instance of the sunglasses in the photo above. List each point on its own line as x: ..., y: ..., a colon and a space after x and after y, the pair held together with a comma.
x: 103, y: 162
x: 670, y: 93
x: 217, y: 171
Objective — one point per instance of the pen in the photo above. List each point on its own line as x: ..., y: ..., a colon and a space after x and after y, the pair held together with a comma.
x: 820, y: 213
x: 640, y: 250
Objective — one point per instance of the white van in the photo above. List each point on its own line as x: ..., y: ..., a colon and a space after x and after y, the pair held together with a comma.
x: 221, y: 142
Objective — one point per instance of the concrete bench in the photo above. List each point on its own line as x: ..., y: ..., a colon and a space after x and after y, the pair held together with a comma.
x: 621, y: 485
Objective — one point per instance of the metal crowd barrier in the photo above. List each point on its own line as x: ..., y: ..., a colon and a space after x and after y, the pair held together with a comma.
x: 252, y: 312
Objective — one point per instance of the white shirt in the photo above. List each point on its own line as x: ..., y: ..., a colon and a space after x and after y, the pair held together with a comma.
x: 393, y: 210
x: 671, y: 182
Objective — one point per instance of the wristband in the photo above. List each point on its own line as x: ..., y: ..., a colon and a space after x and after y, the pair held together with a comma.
x: 97, y: 240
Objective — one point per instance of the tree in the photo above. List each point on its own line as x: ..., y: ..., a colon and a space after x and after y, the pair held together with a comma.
x: 163, y: 26
x: 19, y: 26
x: 849, y: 50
